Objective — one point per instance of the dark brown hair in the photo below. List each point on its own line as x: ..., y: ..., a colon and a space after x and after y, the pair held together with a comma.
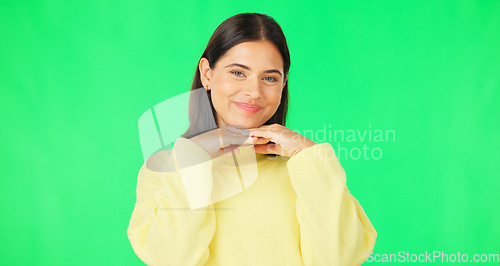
x: 237, y: 29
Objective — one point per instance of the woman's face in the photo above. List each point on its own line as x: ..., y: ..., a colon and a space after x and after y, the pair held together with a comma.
x: 246, y: 83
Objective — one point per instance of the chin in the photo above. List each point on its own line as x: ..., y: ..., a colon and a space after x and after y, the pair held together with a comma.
x: 247, y: 124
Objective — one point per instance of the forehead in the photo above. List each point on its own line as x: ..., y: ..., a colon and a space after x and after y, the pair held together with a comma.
x: 261, y: 55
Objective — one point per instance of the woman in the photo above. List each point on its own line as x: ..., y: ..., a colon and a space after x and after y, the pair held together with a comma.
x: 297, y: 211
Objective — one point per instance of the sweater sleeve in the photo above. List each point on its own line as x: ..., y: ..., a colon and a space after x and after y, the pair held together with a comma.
x: 334, y: 229
x: 164, y: 228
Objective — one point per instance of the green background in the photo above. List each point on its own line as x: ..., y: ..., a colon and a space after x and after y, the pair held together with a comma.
x: 76, y: 75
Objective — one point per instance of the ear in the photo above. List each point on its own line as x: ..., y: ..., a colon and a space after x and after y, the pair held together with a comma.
x: 205, y: 72
x: 284, y: 83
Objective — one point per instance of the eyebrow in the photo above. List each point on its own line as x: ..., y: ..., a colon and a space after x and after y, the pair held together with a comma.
x: 246, y: 67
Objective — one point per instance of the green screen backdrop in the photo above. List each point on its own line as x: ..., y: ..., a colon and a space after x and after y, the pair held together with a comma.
x: 413, y: 86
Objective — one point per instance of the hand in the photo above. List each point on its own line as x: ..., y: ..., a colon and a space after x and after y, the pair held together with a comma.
x: 287, y: 142
x: 222, y: 141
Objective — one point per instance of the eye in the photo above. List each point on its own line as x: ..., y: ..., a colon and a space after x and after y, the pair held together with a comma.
x: 237, y: 73
x: 271, y: 79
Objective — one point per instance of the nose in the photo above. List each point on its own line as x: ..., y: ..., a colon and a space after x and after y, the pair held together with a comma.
x: 252, y: 89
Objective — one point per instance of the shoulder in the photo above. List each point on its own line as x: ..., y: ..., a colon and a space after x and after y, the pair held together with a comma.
x: 161, y: 161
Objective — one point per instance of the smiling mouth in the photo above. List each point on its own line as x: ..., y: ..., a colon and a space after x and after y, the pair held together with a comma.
x: 250, y: 109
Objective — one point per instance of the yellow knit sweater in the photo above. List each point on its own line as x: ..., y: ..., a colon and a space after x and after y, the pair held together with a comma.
x: 296, y: 211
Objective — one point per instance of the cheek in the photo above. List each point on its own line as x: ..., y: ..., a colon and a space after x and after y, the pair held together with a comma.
x: 224, y: 84
x: 273, y: 98
x: 224, y: 92
x: 221, y: 97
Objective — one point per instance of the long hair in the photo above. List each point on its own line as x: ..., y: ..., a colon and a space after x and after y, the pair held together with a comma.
x: 237, y: 29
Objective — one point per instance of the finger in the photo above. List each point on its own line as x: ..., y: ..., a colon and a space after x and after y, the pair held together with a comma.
x: 231, y: 138
x: 239, y: 140
x: 251, y: 141
x: 257, y: 140
x: 235, y: 132
x: 262, y: 132
x: 242, y: 136
x: 241, y: 131
x: 266, y: 149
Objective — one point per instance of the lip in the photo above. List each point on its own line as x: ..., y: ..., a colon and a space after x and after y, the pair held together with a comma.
x: 248, y: 107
